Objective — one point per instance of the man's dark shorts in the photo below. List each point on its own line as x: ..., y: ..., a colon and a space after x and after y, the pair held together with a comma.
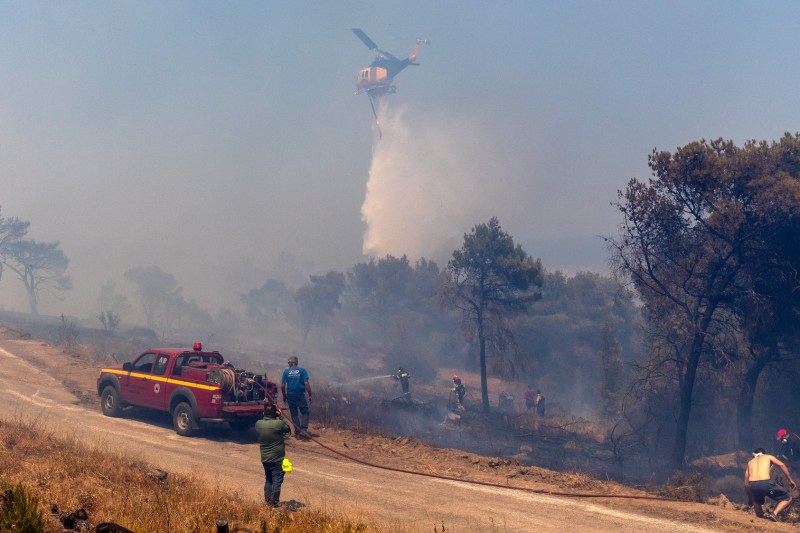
x: 767, y: 487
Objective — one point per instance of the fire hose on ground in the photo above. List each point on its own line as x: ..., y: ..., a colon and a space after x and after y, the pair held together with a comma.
x: 547, y: 492
x: 488, y: 483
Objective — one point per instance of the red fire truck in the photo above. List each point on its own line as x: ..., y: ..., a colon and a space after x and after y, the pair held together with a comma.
x: 196, y: 387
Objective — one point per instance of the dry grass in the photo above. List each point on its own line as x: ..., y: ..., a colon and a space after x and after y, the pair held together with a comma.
x: 113, y: 488
x: 577, y: 480
x: 685, y: 486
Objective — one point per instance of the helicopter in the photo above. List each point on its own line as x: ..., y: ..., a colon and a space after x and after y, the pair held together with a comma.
x: 378, y: 78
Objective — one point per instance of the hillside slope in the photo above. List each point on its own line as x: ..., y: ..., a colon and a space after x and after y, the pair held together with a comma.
x: 44, y: 383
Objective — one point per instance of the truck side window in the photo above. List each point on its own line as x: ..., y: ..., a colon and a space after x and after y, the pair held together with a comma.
x: 161, y: 365
x: 179, y: 362
x: 144, y: 363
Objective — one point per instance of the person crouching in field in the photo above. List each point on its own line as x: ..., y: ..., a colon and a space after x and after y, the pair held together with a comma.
x: 758, y: 484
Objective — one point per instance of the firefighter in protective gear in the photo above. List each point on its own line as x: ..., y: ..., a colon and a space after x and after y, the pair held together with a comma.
x: 458, y: 392
x: 787, y: 446
x: 402, y: 376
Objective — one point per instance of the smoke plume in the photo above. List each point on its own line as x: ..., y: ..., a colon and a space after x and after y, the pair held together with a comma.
x: 432, y: 179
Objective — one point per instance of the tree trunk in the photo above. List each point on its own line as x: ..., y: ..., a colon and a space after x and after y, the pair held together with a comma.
x: 484, y: 383
x: 744, y: 406
x: 687, y: 386
x: 747, y: 392
x: 33, y: 301
x: 686, y: 393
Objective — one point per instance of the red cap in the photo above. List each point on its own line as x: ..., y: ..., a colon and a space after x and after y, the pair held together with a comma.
x: 781, y: 433
x: 455, y: 377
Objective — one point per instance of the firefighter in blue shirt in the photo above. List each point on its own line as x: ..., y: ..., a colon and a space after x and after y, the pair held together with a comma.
x: 294, y: 389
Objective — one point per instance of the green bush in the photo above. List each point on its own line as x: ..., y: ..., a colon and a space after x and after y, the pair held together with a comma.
x: 19, y: 512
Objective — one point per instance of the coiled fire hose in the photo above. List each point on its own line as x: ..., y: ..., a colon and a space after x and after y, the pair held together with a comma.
x: 228, y: 380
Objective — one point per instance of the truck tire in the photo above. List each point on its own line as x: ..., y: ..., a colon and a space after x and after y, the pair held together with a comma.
x: 184, y: 419
x: 109, y: 401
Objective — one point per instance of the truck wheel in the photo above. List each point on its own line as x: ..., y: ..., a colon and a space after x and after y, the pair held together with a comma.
x: 109, y: 401
x: 184, y: 420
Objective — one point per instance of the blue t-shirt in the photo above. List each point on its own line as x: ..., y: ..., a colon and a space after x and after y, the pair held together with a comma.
x: 295, y: 378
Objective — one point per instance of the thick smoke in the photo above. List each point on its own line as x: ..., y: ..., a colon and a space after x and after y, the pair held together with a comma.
x: 431, y: 180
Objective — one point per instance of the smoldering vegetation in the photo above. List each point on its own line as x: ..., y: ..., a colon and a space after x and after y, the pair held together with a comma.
x: 580, y: 344
x: 699, y: 362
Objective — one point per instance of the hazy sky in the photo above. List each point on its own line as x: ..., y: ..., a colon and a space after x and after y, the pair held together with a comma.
x: 214, y: 138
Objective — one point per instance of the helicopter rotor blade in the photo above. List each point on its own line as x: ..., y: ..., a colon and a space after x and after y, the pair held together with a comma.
x: 365, y: 39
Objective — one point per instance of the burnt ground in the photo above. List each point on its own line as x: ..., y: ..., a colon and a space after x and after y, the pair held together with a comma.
x: 508, y: 441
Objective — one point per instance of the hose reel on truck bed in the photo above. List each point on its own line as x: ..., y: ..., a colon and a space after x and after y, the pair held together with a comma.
x: 238, y: 385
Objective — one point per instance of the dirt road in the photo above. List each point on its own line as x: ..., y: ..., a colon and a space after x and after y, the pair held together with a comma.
x: 328, y: 482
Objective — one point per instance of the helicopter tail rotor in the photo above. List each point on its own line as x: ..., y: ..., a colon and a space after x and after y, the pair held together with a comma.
x: 413, y: 55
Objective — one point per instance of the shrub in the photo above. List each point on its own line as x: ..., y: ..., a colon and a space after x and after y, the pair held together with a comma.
x: 20, y: 512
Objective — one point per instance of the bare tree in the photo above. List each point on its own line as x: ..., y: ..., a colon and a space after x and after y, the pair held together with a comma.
x: 11, y: 230
x: 319, y: 299
x: 112, y: 306
x: 272, y: 302
x: 41, y: 267
x: 157, y: 291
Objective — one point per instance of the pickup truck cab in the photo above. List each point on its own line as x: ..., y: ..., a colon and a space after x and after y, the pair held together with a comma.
x: 196, y: 387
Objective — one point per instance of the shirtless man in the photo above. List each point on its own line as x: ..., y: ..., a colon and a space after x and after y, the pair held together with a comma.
x: 758, y: 484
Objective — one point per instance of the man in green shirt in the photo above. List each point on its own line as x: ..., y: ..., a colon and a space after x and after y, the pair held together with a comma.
x: 271, y: 431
